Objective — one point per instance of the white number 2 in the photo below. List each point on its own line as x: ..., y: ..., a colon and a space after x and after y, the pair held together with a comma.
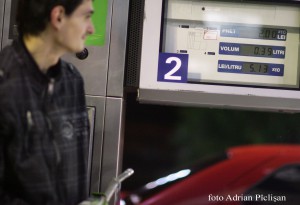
x: 169, y: 75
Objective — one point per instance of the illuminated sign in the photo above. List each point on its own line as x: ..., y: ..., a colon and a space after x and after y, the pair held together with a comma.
x: 216, y: 49
x: 225, y: 51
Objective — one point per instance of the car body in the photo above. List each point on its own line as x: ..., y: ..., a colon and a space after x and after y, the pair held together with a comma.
x: 251, y: 174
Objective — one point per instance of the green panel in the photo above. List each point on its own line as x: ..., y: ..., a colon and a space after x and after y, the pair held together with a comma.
x: 99, y: 21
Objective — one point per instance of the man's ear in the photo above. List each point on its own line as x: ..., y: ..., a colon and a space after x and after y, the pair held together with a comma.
x: 57, y: 16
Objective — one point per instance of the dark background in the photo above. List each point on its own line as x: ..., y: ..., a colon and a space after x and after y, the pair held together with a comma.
x: 158, y: 138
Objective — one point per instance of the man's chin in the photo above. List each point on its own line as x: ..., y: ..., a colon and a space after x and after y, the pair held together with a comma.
x: 77, y: 50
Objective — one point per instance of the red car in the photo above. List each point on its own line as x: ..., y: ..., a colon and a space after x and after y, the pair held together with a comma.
x: 257, y: 174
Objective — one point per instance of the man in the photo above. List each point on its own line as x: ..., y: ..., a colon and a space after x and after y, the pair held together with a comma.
x: 43, y: 119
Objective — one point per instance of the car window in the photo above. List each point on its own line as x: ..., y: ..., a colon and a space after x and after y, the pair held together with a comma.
x: 283, y: 186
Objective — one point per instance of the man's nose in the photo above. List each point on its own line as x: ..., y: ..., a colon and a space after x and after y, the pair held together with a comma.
x: 91, y: 28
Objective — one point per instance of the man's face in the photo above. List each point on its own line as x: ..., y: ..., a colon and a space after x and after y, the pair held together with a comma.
x: 76, y: 27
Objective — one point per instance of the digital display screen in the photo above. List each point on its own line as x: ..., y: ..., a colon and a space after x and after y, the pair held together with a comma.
x: 272, y: 34
x: 256, y: 50
x: 254, y: 32
x: 247, y: 67
x: 255, y: 68
x: 266, y: 51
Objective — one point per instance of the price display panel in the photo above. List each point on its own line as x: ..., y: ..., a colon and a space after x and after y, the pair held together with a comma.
x: 222, y: 47
x: 244, y: 47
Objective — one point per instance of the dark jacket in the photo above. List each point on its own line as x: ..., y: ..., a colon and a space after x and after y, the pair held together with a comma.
x: 43, y: 132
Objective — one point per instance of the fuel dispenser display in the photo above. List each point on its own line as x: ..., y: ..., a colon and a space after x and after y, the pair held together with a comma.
x: 221, y: 49
x: 206, y: 52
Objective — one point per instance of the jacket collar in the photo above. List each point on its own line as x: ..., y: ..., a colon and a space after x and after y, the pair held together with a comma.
x: 32, y: 68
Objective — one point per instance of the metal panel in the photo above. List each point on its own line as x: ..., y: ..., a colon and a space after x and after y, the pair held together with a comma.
x: 231, y: 101
x: 98, y: 103
x: 133, y: 52
x: 118, y: 48
x: 92, y: 117
x: 6, y: 24
x: 1, y: 21
x: 113, y: 143
x: 94, y: 67
x: 9, y: 23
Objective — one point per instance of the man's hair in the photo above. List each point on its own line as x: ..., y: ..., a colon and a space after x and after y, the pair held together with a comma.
x: 34, y: 15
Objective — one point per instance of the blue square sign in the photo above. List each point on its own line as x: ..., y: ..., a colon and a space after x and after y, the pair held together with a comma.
x: 172, y: 67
